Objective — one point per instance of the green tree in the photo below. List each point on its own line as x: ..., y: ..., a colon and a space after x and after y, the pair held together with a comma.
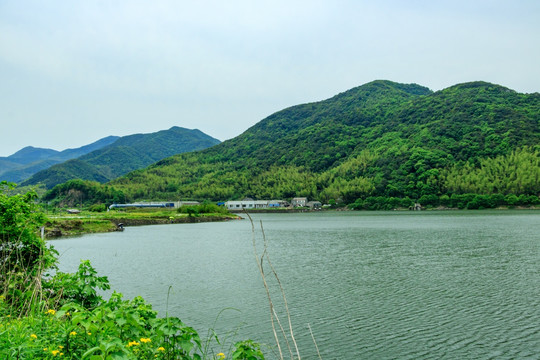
x: 24, y: 256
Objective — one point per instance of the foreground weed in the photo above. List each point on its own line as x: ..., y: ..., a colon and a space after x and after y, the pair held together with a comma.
x: 63, y: 316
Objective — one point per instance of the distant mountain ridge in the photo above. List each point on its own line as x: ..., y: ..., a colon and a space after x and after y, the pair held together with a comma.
x: 30, y: 160
x: 126, y: 154
x: 30, y: 154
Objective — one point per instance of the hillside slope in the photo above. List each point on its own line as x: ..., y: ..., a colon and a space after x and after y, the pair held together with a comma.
x: 379, y: 139
x: 125, y: 154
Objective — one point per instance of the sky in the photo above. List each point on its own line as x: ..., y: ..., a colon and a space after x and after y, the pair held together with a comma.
x: 72, y: 72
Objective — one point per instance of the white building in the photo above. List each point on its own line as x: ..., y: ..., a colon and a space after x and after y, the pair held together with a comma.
x: 178, y: 204
x: 254, y: 204
x: 299, y: 201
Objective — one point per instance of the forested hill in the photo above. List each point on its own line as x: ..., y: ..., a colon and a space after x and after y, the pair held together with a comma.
x: 125, y: 154
x: 29, y: 160
x: 379, y: 139
x: 316, y: 135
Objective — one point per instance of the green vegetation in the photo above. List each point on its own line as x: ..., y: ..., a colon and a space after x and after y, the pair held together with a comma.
x: 204, y: 208
x: 124, y: 155
x: 83, y: 193
x: 91, y: 221
x: 44, y: 316
x: 68, y: 226
x: 28, y: 161
x: 23, y: 255
x: 456, y: 201
x: 515, y: 173
x: 379, y: 140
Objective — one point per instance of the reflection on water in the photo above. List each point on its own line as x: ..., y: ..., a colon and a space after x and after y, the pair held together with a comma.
x: 372, y: 285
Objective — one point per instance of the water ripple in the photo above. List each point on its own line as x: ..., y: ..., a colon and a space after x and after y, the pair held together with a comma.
x: 453, y: 285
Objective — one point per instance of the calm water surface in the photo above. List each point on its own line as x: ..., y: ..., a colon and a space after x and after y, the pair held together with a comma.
x: 371, y: 285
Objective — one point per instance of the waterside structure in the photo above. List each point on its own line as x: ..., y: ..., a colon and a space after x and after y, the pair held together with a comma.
x: 250, y: 204
x: 255, y: 204
x: 166, y: 204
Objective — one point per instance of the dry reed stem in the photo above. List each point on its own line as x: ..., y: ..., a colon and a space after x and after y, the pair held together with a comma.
x: 282, y: 293
x: 259, y: 264
x: 282, y: 329
x: 314, y: 342
x: 273, y: 315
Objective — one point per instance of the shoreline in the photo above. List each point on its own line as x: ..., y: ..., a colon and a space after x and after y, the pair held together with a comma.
x: 275, y: 211
x: 72, y: 225
x: 81, y: 225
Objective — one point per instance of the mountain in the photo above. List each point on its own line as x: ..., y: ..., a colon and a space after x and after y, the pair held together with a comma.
x: 31, y: 154
x: 381, y: 139
x: 83, y: 150
x: 126, y: 154
x: 29, y: 160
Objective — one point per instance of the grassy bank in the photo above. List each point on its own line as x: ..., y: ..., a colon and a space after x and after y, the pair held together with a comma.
x: 87, y: 222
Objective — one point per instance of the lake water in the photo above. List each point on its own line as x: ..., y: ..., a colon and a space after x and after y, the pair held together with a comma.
x: 371, y: 285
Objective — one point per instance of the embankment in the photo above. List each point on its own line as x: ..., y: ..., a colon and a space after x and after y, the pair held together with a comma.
x: 63, y: 226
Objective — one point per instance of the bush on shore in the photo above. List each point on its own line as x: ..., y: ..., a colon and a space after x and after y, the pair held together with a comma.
x: 457, y: 201
x: 204, y: 208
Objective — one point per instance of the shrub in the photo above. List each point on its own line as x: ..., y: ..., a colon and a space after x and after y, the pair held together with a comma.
x: 79, y: 288
x: 511, y: 200
x: 247, y: 350
x: 460, y: 201
x: 204, y: 208
x: 406, y: 202
x: 98, y: 208
x: 191, y: 210
x: 429, y: 200
x: 533, y: 200
x: 24, y: 256
x: 481, y: 202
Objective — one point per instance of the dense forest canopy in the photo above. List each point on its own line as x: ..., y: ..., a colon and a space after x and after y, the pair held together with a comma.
x: 382, y: 139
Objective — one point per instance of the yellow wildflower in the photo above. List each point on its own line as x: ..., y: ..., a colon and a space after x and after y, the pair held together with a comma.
x: 51, y: 311
x: 60, y: 347
x: 33, y: 336
x: 73, y: 333
x: 221, y: 356
x: 133, y: 343
x: 55, y: 352
x: 145, y: 340
x: 45, y: 349
x: 161, y: 348
x: 61, y: 354
x: 89, y: 333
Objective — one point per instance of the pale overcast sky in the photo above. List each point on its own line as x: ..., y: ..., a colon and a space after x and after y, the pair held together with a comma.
x: 72, y: 72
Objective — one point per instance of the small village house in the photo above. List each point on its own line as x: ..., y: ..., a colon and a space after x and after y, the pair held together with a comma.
x: 314, y: 205
x: 299, y: 202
